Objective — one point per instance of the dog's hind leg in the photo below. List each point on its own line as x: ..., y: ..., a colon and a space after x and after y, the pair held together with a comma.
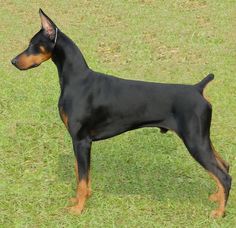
x: 222, y: 162
x: 205, y: 156
x: 195, y: 135
x: 225, y: 166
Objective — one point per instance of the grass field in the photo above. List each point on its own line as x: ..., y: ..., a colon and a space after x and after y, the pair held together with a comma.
x: 141, y: 178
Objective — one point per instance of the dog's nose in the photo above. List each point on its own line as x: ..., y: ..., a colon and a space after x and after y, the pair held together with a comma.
x: 13, y: 61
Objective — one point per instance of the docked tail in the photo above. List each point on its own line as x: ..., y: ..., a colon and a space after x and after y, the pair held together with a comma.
x: 202, y: 84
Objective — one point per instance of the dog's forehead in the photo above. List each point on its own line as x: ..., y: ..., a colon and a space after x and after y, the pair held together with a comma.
x: 38, y: 37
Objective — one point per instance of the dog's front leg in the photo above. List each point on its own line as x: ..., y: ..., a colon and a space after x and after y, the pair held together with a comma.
x: 82, y: 149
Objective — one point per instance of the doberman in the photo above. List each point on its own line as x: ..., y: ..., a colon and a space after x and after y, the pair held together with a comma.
x: 95, y: 106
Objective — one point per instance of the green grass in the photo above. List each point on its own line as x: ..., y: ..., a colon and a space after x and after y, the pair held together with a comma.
x: 141, y: 178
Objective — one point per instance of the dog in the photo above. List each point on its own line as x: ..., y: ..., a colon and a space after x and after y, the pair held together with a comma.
x: 96, y: 106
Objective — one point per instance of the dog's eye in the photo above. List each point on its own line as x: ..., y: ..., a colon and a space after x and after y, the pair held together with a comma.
x: 33, y: 49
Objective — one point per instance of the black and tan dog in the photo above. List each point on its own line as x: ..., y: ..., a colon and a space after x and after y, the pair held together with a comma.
x: 95, y: 106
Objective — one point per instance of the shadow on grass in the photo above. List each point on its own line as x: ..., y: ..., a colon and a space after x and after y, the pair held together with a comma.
x: 160, y: 174
x: 161, y: 182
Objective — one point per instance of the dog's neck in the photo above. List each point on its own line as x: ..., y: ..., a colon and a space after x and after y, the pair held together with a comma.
x: 66, y: 55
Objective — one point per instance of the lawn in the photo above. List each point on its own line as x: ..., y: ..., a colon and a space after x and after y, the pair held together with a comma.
x: 141, y: 178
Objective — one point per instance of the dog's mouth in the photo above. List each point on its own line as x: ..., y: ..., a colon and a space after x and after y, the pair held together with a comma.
x: 33, y: 66
x: 15, y: 63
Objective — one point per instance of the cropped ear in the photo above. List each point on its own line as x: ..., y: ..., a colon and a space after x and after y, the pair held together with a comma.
x: 47, y: 25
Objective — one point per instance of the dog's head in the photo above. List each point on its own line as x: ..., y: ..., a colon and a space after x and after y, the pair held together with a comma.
x: 40, y: 46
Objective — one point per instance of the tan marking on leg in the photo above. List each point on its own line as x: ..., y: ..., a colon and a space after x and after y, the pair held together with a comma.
x: 214, y: 197
x: 222, y: 163
x: 219, y: 212
x: 81, y: 196
x: 75, y: 199
x: 89, y: 191
x: 219, y: 160
x: 82, y: 193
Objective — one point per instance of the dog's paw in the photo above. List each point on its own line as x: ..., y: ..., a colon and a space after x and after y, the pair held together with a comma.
x: 217, y: 213
x: 74, y: 200
x: 75, y: 210
x: 89, y: 192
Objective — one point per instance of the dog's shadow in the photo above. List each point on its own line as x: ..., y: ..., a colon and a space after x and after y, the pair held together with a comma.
x: 161, y: 175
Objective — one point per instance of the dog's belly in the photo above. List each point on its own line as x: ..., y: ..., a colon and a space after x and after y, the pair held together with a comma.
x: 113, y: 130
x: 108, y: 130
x: 139, y: 114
